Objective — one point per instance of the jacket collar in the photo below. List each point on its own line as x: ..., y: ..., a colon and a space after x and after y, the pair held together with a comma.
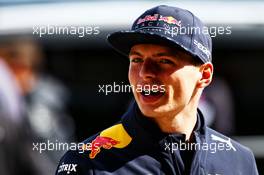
x: 143, y: 129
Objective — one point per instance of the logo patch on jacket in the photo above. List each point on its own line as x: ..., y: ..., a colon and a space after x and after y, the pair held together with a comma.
x: 219, y: 139
x: 115, y: 136
x: 67, y: 168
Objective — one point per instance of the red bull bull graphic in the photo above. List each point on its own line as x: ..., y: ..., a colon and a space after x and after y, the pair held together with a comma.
x: 170, y: 20
x: 99, y: 142
x: 113, y: 137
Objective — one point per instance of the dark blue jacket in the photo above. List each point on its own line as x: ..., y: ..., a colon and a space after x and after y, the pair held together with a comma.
x: 136, y: 145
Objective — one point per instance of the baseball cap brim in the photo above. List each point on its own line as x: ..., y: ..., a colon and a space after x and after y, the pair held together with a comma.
x: 122, y: 41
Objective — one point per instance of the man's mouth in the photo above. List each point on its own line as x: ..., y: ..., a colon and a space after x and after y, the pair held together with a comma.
x: 152, y: 93
x: 151, y: 96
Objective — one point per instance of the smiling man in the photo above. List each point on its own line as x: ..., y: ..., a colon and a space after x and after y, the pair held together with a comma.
x: 163, y: 131
x: 174, y: 110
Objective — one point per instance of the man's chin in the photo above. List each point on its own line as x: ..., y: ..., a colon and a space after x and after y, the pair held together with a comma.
x: 150, y: 111
x: 156, y: 111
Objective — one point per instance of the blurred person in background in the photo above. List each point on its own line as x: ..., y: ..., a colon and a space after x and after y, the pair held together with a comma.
x: 13, y: 135
x: 44, y: 99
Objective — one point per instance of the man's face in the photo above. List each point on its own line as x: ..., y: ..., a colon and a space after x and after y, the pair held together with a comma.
x: 168, y: 73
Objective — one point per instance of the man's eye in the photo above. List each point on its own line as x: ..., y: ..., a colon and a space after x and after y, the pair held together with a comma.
x: 166, y: 61
x: 136, y: 60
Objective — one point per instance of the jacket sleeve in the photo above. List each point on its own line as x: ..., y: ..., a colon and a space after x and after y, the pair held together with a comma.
x: 254, y: 165
x: 73, y: 163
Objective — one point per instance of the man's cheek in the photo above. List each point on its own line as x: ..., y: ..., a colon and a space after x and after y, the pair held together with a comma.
x: 132, y: 76
x: 131, y: 79
x: 129, y: 76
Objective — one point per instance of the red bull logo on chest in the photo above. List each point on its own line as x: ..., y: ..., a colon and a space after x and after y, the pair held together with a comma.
x: 113, y: 137
x: 101, y: 142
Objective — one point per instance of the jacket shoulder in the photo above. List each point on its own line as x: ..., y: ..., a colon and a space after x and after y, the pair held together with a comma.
x: 214, y: 136
x: 234, y: 152
x: 91, y: 151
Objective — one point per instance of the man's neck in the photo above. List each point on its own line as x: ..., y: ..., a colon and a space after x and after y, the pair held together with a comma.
x: 183, y: 122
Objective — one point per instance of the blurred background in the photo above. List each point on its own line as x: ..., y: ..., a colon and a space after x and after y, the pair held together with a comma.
x: 49, y: 80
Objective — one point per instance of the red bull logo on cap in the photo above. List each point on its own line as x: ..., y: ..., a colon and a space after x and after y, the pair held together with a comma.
x: 158, y: 17
x: 148, y: 18
x: 113, y: 137
x: 170, y: 20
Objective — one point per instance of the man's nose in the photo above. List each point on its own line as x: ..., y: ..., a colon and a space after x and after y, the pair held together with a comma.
x: 148, y: 69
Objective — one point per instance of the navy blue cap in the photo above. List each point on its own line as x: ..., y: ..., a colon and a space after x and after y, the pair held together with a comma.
x: 166, y: 25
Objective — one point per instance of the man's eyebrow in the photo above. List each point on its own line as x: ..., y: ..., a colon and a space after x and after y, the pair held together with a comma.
x: 160, y: 54
x: 165, y: 54
x: 134, y: 53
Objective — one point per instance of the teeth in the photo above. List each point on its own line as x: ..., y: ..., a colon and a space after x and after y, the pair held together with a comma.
x: 149, y: 92
x: 146, y: 92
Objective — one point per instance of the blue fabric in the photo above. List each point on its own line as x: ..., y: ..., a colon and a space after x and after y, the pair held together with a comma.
x: 147, y: 153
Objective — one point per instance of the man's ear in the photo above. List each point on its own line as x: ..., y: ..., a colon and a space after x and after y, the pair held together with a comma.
x: 206, y: 71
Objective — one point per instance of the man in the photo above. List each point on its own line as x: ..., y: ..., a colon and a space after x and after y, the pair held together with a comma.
x: 163, y: 132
